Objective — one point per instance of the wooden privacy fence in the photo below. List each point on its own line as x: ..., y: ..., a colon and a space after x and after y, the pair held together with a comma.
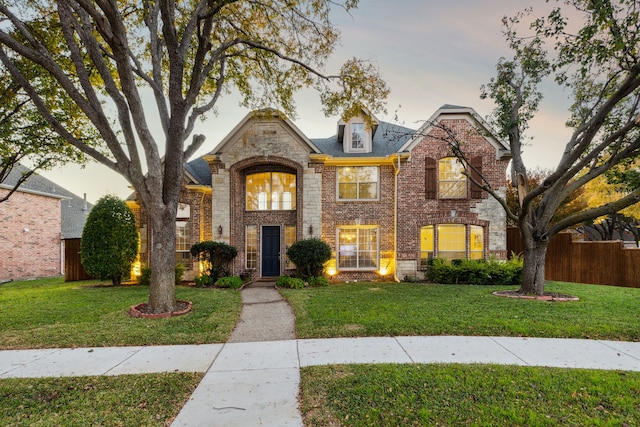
x: 73, y: 269
x: 602, y: 263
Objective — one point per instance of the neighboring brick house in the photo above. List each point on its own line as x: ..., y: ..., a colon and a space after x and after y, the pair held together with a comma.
x: 34, y: 223
x: 384, y: 197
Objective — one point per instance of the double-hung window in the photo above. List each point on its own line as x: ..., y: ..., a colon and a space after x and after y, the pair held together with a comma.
x: 358, y: 183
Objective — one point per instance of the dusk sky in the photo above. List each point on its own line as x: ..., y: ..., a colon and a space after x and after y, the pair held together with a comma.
x: 430, y: 53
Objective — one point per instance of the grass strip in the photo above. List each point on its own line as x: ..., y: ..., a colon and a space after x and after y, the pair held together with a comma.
x: 470, y: 395
x: 397, y: 309
x: 127, y: 400
x: 51, y: 313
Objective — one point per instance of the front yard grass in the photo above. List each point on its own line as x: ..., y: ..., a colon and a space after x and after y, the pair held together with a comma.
x: 126, y: 400
x: 479, y: 395
x: 51, y: 313
x: 397, y: 309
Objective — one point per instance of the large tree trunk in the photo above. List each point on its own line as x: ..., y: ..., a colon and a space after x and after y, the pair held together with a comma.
x: 535, y: 255
x: 162, y: 292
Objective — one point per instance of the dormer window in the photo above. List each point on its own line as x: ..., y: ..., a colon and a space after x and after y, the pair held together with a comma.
x: 355, y: 135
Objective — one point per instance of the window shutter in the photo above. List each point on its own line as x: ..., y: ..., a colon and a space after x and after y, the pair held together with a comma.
x: 430, y: 182
x: 476, y: 173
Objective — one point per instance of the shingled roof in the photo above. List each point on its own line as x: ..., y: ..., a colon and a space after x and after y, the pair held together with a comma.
x: 73, y: 209
x: 388, y: 139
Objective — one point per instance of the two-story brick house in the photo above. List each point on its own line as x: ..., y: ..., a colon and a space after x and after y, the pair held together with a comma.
x: 384, y: 197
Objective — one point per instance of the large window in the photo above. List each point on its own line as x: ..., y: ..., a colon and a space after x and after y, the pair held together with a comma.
x: 452, y: 182
x: 183, y: 235
x: 358, y: 183
x: 358, y: 248
x: 251, y: 246
x: 451, y: 242
x: 271, y: 191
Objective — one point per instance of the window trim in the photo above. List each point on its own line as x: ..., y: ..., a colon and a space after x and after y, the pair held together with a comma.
x: 183, y: 217
x: 256, y: 244
x: 468, y: 229
x: 366, y: 137
x: 464, y: 180
x: 357, y: 249
x: 357, y: 183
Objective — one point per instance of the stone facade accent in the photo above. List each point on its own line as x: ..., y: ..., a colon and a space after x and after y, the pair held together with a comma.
x: 265, y: 141
x: 30, y: 226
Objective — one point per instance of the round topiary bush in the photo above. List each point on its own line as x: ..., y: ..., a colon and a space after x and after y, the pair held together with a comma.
x: 309, y: 256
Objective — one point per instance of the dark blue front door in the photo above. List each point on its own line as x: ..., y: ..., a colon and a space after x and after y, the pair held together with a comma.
x: 270, y: 251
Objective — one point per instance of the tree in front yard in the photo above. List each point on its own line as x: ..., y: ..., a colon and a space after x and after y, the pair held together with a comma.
x: 109, y: 240
x: 145, y: 73
x: 597, y: 59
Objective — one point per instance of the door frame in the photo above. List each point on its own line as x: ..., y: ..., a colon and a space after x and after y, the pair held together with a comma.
x: 263, y: 257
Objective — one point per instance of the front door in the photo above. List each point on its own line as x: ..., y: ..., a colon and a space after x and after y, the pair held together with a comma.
x: 270, y: 251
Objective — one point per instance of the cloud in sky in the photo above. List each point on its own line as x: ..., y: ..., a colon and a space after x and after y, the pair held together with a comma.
x: 430, y: 52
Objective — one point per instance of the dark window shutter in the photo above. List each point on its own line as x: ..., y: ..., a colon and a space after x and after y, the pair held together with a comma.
x: 476, y: 173
x: 430, y: 181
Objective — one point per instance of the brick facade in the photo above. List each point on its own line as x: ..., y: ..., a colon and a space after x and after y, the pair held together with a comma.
x: 416, y: 210
x: 266, y: 141
x: 30, y: 226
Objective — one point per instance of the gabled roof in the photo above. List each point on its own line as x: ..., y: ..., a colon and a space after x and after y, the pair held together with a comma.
x: 449, y: 111
x: 73, y: 209
x: 388, y: 140
x: 265, y: 113
x: 198, y: 171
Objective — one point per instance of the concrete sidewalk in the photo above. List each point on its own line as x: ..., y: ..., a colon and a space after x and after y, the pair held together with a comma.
x: 249, y: 384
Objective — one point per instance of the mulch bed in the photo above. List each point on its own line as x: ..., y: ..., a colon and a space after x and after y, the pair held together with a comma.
x: 548, y: 296
x: 142, y: 310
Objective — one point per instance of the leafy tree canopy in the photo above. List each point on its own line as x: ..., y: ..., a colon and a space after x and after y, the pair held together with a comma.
x: 122, y: 64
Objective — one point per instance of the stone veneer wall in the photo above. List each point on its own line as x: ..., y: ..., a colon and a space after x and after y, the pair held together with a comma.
x: 269, y: 145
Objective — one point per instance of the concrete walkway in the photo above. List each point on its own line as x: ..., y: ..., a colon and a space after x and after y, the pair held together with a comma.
x: 256, y: 383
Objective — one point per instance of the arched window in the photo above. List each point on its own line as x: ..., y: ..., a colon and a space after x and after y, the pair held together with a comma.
x: 270, y: 191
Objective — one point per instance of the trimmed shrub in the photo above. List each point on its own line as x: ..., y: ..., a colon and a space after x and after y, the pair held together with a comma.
x: 318, y: 281
x: 309, y: 256
x: 476, y: 272
x: 289, y: 282
x: 233, y: 282
x: 109, y: 240
x: 145, y: 276
x: 216, y: 257
x: 203, y: 281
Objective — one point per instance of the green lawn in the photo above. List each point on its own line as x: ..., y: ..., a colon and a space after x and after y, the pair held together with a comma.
x: 51, y: 313
x: 388, y: 309
x: 126, y: 400
x: 467, y: 395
